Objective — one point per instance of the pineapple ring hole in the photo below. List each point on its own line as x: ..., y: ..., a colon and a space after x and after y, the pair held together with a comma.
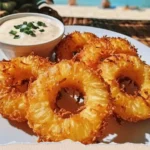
x: 69, y: 102
x: 21, y: 80
x: 22, y: 85
x: 74, y: 53
x: 128, y: 85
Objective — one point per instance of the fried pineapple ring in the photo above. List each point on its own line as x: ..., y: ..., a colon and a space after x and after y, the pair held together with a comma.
x: 93, y: 53
x: 72, y: 44
x: 129, y: 106
x: 13, y: 93
x: 83, y: 126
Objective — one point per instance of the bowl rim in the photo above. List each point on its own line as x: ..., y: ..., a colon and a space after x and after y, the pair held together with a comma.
x: 20, y: 15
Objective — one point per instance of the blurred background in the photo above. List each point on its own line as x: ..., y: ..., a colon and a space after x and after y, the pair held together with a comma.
x: 130, y: 17
x: 138, y: 3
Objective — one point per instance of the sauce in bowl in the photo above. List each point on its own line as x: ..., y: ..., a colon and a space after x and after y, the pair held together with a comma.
x: 29, y: 30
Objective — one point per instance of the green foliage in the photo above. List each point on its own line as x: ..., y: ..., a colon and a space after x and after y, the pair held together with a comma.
x: 8, y: 6
x: 0, y: 5
x: 26, y: 7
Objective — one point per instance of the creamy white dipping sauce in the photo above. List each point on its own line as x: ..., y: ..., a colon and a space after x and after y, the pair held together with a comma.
x: 51, y: 31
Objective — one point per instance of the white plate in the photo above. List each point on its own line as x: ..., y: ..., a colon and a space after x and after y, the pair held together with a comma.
x: 128, y: 132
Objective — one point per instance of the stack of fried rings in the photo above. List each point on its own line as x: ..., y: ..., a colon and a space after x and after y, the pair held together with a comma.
x: 36, y: 101
x: 113, y: 58
x: 29, y: 87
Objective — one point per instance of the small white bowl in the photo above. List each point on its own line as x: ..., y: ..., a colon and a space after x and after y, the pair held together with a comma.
x: 44, y: 49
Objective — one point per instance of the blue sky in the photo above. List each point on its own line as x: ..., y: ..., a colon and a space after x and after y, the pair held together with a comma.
x: 140, y: 3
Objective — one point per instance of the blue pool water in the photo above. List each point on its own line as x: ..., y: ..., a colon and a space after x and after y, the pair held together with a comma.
x: 139, y: 3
